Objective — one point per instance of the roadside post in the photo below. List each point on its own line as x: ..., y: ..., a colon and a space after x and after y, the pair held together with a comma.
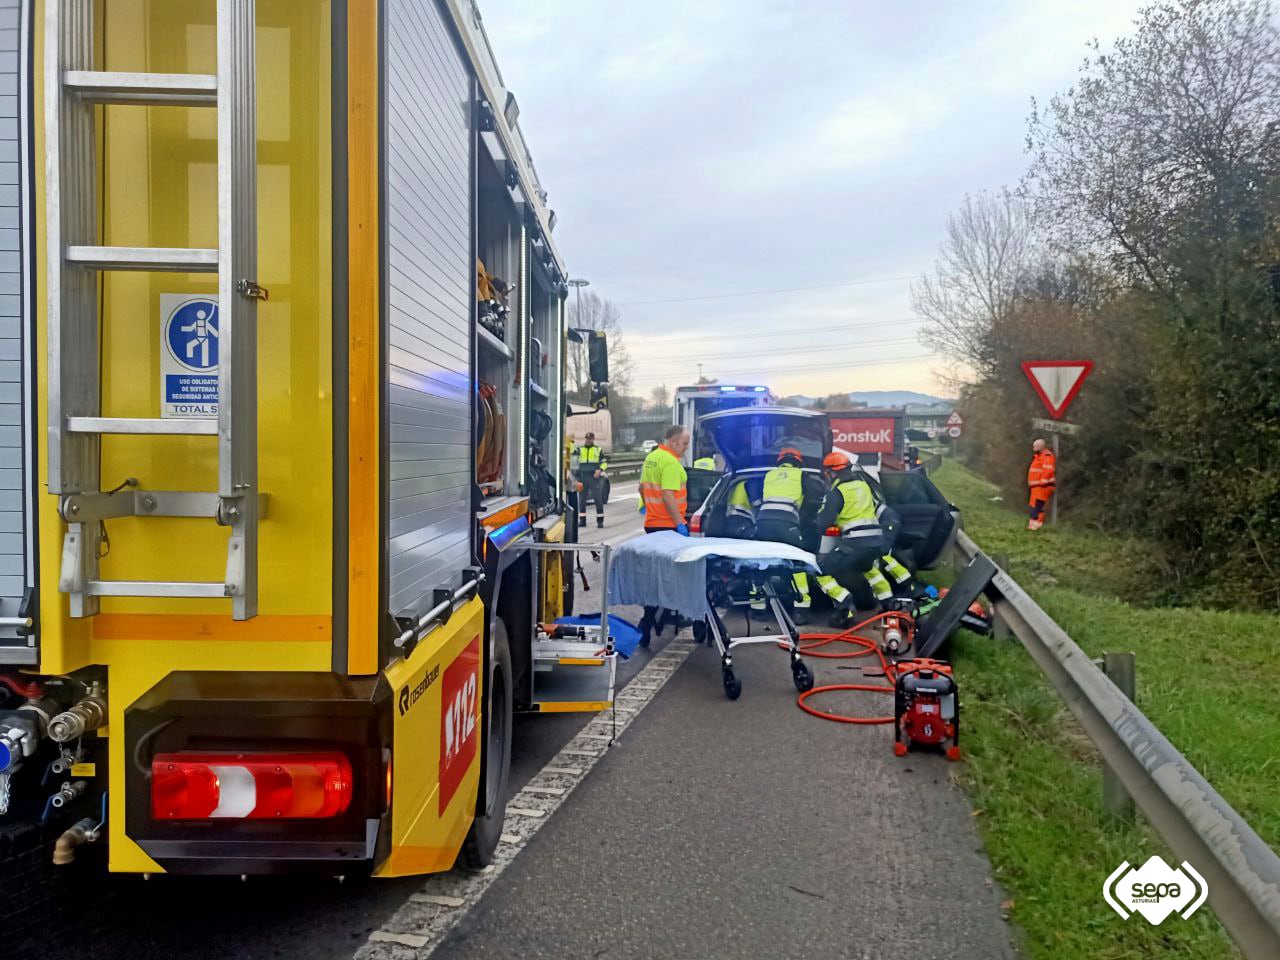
x: 1056, y: 383
x: 1121, y: 669
x: 999, y: 625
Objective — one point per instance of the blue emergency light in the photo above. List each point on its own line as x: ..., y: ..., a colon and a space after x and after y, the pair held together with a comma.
x: 509, y: 532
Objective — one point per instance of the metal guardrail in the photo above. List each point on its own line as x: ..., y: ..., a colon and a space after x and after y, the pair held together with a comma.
x: 932, y: 464
x: 1242, y: 872
x: 624, y: 471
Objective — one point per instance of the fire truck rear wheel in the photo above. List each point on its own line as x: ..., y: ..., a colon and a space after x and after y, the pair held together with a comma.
x: 482, y: 840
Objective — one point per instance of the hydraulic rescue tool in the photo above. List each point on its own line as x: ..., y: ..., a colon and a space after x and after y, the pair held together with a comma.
x: 898, y: 628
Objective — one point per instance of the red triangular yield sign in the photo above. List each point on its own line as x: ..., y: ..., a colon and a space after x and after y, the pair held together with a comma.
x: 1057, y: 382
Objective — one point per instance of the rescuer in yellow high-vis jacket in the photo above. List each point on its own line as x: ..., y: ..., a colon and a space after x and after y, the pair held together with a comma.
x: 593, y: 467
x: 850, y: 506
x: 778, y: 519
x: 740, y: 513
x: 664, y: 490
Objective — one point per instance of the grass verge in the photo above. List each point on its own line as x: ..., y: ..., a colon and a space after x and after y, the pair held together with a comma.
x: 1206, y: 678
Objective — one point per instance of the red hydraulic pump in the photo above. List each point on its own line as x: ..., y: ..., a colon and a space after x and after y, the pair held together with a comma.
x: 926, y: 707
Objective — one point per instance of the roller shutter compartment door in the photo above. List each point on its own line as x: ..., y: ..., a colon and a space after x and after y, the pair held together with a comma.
x: 17, y: 479
x: 429, y: 272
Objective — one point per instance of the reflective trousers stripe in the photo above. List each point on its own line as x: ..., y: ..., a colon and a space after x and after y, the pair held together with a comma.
x: 896, y: 570
x: 879, y: 585
x: 832, y: 588
x: 782, y: 506
x: 861, y: 529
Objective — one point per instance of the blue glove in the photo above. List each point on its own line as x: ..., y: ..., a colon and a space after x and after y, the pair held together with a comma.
x: 642, y: 510
x: 683, y: 530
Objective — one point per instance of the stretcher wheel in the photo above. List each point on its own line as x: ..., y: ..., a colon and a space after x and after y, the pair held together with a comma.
x: 732, y: 685
x: 700, y: 632
x: 802, y: 676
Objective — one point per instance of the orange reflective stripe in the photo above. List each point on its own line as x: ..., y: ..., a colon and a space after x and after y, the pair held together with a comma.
x: 655, y: 506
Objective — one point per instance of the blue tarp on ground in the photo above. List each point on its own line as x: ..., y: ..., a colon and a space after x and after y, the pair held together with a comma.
x: 668, y: 570
x: 626, y: 636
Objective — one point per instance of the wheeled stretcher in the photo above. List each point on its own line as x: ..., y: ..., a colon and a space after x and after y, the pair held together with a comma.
x: 728, y: 588
x: 697, y: 576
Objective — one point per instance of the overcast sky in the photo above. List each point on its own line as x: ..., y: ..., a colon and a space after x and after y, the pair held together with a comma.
x: 704, y: 148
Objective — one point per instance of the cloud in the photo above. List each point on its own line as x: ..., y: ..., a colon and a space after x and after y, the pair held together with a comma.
x: 693, y: 149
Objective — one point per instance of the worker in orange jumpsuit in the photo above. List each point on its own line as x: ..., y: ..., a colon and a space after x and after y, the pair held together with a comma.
x: 1041, y: 477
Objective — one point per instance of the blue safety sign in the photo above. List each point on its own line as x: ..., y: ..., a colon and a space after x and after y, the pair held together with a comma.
x: 188, y: 356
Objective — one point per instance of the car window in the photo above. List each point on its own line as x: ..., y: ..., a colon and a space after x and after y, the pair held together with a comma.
x: 906, y: 488
x: 756, y: 441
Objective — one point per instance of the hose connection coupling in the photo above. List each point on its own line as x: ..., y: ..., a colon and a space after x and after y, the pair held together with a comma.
x: 89, y: 714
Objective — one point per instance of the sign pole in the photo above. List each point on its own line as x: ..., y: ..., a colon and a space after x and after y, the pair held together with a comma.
x: 1053, y: 507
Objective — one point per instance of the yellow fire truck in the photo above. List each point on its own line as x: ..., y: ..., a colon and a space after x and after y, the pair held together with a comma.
x: 282, y: 333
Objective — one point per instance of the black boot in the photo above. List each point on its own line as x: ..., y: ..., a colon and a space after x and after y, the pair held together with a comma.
x: 600, y: 522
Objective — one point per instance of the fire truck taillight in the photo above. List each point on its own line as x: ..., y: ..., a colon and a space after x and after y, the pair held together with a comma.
x: 250, y: 786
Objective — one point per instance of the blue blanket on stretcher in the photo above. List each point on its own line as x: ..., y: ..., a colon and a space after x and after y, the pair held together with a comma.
x: 668, y: 570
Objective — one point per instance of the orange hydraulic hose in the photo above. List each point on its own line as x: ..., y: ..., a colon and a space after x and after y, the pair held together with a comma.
x: 809, y: 644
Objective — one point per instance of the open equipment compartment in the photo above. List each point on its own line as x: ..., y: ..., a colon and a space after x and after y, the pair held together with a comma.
x: 498, y: 239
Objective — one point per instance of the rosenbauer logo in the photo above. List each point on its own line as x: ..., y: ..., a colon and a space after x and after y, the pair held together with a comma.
x: 459, y: 719
x: 1155, y: 890
x: 408, y: 696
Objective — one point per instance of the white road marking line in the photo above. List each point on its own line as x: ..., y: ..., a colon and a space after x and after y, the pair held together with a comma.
x: 403, y: 939
x: 563, y: 771
x: 439, y: 901
x: 422, y: 913
x: 545, y: 791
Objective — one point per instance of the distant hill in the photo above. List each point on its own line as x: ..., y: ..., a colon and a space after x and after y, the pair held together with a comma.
x: 875, y: 398
x: 897, y: 398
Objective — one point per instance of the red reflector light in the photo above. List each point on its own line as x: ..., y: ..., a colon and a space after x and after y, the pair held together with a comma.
x: 249, y: 786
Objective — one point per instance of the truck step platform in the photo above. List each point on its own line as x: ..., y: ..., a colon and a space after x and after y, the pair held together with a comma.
x: 572, y: 676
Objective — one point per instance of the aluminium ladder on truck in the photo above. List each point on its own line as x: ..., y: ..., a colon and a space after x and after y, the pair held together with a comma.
x: 74, y: 89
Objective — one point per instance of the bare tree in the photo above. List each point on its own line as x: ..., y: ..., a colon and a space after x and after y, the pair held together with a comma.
x: 982, y: 261
x: 1178, y: 126
x: 597, y: 313
x: 660, y: 397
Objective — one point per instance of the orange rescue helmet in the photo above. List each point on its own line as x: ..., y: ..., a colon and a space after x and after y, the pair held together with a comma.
x: 837, y: 461
x: 790, y: 453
